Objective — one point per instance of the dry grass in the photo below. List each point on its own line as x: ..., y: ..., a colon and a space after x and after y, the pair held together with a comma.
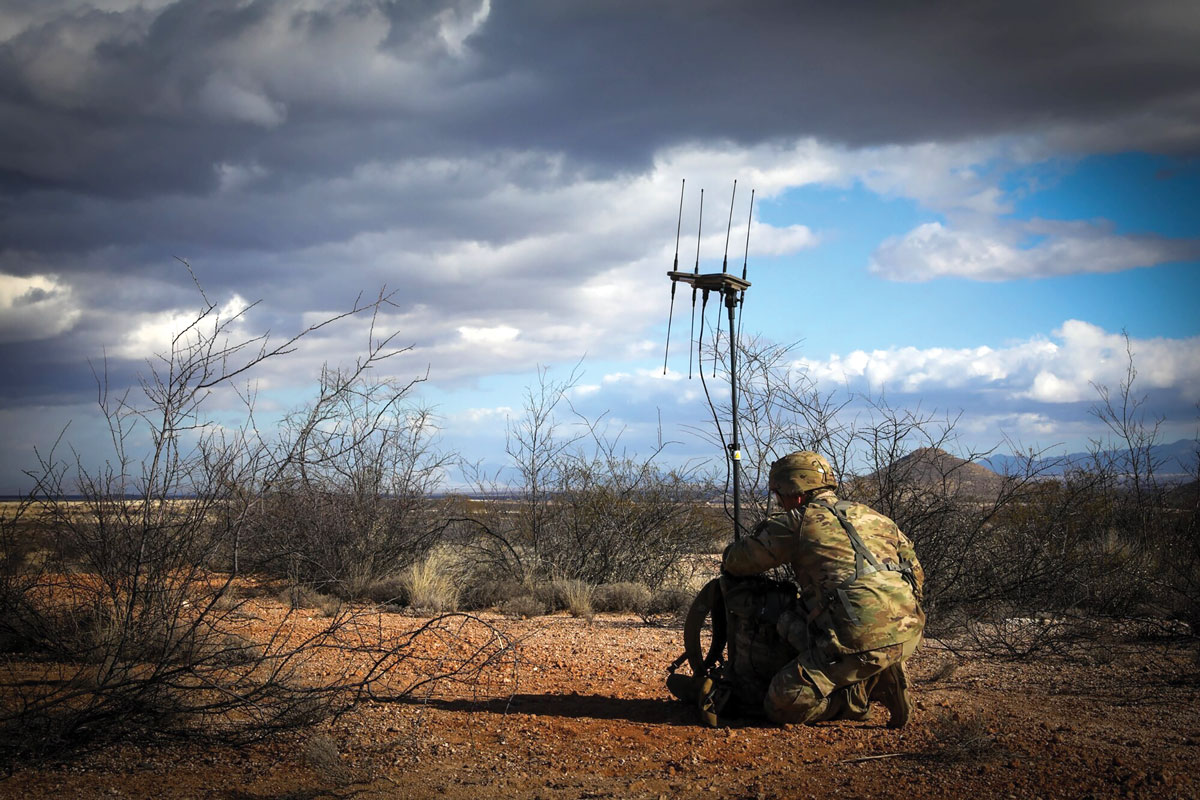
x: 432, y: 584
x: 300, y: 596
x: 957, y: 738
x: 577, y: 598
x: 565, y: 594
x: 322, y: 757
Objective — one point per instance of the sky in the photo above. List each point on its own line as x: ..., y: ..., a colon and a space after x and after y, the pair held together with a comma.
x: 969, y: 208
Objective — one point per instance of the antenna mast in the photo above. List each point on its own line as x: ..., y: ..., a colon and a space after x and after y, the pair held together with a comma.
x: 732, y: 289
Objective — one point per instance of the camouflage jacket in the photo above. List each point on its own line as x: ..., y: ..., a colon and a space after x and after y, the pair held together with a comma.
x: 857, y: 606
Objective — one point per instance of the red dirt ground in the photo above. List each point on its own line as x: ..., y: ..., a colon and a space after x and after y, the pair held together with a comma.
x: 589, y: 717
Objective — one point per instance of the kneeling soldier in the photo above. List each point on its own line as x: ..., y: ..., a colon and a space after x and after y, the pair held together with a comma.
x: 860, y: 583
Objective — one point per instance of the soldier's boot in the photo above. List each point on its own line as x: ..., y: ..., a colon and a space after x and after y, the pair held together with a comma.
x: 714, y: 694
x: 892, y: 691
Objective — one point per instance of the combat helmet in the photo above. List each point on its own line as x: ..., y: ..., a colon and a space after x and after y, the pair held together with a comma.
x: 800, y: 472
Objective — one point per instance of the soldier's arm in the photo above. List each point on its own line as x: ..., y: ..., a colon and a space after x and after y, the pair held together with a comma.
x: 769, y: 547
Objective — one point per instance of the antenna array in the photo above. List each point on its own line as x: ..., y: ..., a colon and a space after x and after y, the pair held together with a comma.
x: 732, y: 290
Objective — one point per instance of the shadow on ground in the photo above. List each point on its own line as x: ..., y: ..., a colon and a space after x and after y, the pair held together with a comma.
x: 575, y: 706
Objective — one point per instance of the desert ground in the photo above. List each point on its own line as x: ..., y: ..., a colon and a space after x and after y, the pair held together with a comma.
x: 580, y: 711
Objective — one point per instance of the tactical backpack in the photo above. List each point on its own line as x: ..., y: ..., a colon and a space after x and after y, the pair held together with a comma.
x: 843, y: 611
x: 745, y: 650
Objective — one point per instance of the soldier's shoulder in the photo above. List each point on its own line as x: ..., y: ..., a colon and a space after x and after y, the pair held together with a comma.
x: 869, y: 511
x: 780, y: 522
x: 865, y: 516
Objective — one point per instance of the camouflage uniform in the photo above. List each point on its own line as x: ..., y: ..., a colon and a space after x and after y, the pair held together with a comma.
x: 859, y: 609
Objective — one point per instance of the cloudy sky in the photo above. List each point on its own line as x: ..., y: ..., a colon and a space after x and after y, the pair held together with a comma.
x: 962, y: 205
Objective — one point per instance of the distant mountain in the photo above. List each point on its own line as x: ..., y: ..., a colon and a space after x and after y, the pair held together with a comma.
x: 1176, y: 461
x: 933, y: 467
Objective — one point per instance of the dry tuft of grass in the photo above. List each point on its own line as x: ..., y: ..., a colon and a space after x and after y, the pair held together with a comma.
x: 322, y: 757
x: 577, y: 598
x: 432, y: 584
x: 957, y: 738
x: 566, y: 594
x: 300, y: 596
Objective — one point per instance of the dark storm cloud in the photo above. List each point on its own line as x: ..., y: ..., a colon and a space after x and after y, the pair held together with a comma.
x: 127, y: 102
x: 120, y: 103
x: 631, y: 76
x: 283, y: 146
x: 622, y: 78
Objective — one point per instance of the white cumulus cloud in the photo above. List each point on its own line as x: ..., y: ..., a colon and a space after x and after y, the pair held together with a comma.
x: 152, y: 334
x: 1060, y: 369
x: 933, y: 250
x: 35, y: 307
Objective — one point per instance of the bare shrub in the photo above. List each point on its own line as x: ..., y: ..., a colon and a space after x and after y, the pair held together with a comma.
x: 390, y: 590
x: 670, y: 601
x: 550, y: 595
x: 355, y: 502
x: 584, y: 509
x: 523, y: 606
x: 625, y: 597
x: 123, y: 628
x: 484, y: 591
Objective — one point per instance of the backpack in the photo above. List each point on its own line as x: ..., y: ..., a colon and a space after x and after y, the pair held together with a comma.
x: 745, y: 650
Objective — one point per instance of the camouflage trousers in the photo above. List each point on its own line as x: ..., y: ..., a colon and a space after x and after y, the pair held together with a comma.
x: 813, y: 688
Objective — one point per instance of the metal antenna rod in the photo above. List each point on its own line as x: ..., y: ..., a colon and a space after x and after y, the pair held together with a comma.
x: 692, y: 338
x: 671, y: 313
x: 745, y: 258
x: 729, y: 227
x: 724, y: 268
x: 716, y: 342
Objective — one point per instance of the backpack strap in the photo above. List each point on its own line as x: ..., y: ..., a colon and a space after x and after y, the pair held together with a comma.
x: 709, y: 600
x: 865, y: 562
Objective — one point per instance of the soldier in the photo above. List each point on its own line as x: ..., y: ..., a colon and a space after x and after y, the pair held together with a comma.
x: 859, y: 617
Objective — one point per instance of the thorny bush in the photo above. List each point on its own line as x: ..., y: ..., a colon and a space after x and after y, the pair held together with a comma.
x: 125, y: 617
